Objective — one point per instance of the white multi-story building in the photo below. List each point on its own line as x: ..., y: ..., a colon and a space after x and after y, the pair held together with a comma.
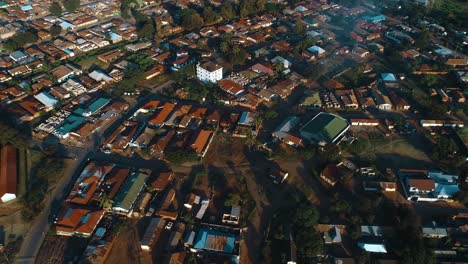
x: 209, y: 72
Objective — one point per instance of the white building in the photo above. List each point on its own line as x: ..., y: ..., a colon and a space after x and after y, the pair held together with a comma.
x: 209, y: 72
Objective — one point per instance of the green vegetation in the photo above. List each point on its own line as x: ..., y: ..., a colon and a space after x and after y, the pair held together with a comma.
x: 10, y: 135
x: 309, y: 242
x: 55, y: 30
x: 20, y: 39
x: 190, y: 19
x: 47, y: 171
x: 71, y: 5
x: 145, y: 26
x: 179, y: 157
x: 55, y: 9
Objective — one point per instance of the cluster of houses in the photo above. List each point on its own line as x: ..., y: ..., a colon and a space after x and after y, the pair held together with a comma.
x: 413, y: 184
x: 376, y: 240
x: 105, y: 189
x: 160, y: 126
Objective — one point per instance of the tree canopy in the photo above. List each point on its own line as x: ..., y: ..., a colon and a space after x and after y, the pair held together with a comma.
x: 190, y: 19
x: 71, y: 5
x: 55, y: 9
x: 55, y: 30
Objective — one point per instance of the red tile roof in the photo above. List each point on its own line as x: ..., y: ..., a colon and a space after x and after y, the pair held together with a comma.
x: 73, y: 220
x: 8, y: 170
x: 162, y: 116
x: 201, y: 141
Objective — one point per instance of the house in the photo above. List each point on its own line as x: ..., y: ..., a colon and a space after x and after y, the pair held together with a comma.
x: 442, y: 123
x: 282, y: 61
x: 209, y: 72
x: 63, y: 72
x: 152, y: 233
x: 364, y: 122
x: 362, y: 53
x: 348, y: 98
x: 8, y: 173
x: 382, y: 101
x: 162, y: 181
x: 333, y: 235
x: 434, y: 231
x: 233, y: 217
x: 324, y: 128
x: 231, y: 87
x: 129, y: 192
x: 373, y: 247
x: 18, y: 56
x: 330, y: 174
x: 316, y: 50
x: 202, y: 142
x: 260, y: 68
x: 285, y: 127
x: 398, y: 102
x: 388, y: 77
x: 77, y: 221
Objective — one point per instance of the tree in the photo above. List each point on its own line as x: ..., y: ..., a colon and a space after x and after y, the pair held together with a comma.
x: 246, y: 8
x: 210, y: 15
x: 233, y: 199
x: 190, y: 19
x: 20, y: 39
x: 228, y: 10
x: 299, y: 27
x: 250, y: 139
x: 55, y: 9
x: 55, y: 30
x: 271, y: 114
x: 71, y: 5
x: 423, y: 40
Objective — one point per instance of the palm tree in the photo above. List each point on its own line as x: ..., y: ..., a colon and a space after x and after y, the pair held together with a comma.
x: 251, y: 139
x: 257, y: 121
x: 224, y: 47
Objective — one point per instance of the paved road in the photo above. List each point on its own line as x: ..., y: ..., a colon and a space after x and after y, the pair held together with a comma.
x: 33, y: 239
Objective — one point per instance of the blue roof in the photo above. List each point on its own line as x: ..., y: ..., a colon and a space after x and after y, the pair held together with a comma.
x: 316, y: 49
x: 46, y: 99
x: 388, y: 77
x: 374, y: 18
x: 17, y: 55
x: 207, y: 234
x: 26, y: 7
x: 65, y: 25
x: 114, y: 36
x: 442, y: 51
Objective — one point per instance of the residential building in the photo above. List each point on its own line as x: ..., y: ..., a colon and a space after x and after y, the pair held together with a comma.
x: 129, y: 192
x: 209, y: 72
x: 77, y: 221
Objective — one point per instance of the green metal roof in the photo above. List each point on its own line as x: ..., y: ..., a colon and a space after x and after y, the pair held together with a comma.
x: 326, y: 126
x: 129, y: 191
x: 71, y: 123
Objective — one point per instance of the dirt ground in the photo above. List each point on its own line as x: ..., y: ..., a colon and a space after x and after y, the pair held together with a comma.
x: 11, y: 224
x: 126, y: 247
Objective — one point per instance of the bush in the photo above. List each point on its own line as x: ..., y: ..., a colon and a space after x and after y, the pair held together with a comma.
x: 179, y: 157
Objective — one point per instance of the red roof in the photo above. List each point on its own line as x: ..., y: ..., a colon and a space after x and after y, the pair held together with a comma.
x: 162, y: 181
x: 8, y: 170
x: 162, y: 116
x: 422, y: 184
x: 78, y: 220
x: 202, y: 141
x: 231, y: 87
